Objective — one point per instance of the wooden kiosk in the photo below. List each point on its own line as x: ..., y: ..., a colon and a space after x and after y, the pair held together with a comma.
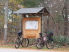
x: 32, y: 21
x: 31, y: 27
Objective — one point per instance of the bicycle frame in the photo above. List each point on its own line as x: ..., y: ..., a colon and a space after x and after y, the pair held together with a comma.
x: 44, y: 38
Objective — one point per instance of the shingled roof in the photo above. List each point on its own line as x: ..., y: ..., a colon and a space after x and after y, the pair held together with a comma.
x: 32, y: 10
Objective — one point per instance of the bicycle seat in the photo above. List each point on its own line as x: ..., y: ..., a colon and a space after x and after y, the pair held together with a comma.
x: 19, y: 33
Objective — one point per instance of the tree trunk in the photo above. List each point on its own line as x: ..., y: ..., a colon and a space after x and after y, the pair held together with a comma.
x: 6, y: 20
x: 66, y: 21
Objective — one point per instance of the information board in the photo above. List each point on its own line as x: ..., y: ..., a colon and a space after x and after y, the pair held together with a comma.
x: 32, y: 24
x: 31, y: 27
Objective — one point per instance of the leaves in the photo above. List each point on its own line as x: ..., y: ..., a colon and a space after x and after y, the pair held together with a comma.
x: 30, y: 3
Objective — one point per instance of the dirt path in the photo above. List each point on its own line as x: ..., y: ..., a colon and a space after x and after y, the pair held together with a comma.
x: 8, y: 48
x: 27, y: 50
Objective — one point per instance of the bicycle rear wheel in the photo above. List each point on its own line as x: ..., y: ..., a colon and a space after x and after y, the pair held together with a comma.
x: 17, y: 43
x: 50, y: 44
x: 25, y: 42
x: 39, y: 44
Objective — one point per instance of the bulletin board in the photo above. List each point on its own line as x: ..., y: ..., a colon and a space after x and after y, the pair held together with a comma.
x: 31, y: 27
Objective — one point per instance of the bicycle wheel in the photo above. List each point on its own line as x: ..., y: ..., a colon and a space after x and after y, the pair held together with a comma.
x: 39, y: 44
x: 17, y: 43
x: 50, y: 44
x: 25, y: 42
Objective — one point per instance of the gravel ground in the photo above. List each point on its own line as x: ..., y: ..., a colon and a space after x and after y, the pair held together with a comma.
x: 25, y: 50
x: 18, y: 50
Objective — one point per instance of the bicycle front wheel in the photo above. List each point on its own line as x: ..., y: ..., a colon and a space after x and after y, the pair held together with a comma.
x: 25, y: 42
x: 17, y: 43
x: 39, y: 44
x: 50, y: 44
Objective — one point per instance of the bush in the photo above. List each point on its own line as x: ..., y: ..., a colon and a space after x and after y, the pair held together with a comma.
x: 62, y: 40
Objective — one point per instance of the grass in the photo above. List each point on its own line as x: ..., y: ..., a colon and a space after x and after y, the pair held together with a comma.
x: 3, y: 46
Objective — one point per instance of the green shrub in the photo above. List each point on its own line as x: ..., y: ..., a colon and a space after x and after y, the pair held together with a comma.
x: 62, y: 40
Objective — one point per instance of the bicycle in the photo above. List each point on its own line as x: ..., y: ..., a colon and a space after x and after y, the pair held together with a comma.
x: 20, y: 41
x: 45, y: 40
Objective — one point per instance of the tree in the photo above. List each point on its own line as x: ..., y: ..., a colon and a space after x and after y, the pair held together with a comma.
x: 55, y: 8
x: 30, y: 3
x: 65, y: 18
x: 6, y: 21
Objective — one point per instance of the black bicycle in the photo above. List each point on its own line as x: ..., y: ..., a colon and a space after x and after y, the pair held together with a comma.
x: 45, y: 40
x: 24, y: 42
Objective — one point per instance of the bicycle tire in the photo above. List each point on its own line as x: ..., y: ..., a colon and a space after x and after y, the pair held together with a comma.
x: 25, y: 42
x: 17, y: 43
x: 39, y: 44
x: 50, y: 44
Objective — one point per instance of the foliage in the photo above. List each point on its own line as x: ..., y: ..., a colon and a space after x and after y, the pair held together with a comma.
x: 30, y: 3
x: 62, y: 40
x: 1, y: 17
x: 59, y: 18
x: 1, y: 22
x: 26, y: 3
x: 2, y: 1
x: 13, y: 5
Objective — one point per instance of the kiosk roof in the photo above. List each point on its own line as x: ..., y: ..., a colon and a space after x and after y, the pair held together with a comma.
x: 30, y: 10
